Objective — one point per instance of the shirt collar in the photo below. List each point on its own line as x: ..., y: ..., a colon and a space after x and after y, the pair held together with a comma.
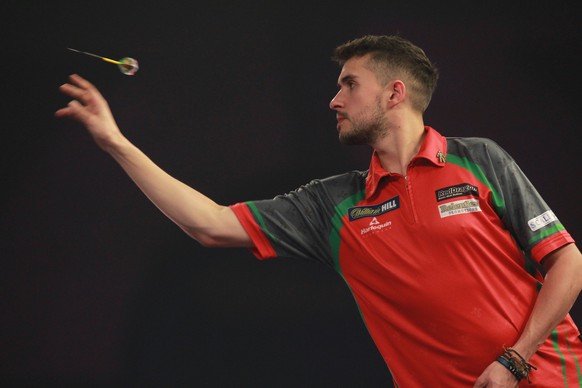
x: 433, y: 150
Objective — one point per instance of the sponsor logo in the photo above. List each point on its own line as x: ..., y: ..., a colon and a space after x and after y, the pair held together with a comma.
x: 456, y: 191
x: 459, y: 207
x: 542, y: 220
x: 375, y: 226
x: 357, y: 212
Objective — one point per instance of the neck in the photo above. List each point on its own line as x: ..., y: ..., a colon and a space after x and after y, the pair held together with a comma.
x: 402, y: 143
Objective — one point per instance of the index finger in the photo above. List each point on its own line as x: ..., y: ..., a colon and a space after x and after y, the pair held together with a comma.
x: 81, y: 82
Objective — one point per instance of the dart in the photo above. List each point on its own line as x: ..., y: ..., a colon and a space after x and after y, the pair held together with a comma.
x: 127, y: 66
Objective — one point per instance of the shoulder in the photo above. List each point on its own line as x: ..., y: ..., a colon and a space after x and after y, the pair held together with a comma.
x: 347, y: 177
x: 334, y: 188
x: 471, y: 142
x: 476, y: 148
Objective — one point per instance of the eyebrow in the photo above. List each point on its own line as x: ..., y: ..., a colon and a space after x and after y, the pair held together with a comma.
x: 347, y: 78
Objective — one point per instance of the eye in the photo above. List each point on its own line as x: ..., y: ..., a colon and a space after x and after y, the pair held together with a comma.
x: 351, y: 85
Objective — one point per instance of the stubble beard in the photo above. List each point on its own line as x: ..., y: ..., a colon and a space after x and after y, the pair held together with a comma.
x: 366, y: 131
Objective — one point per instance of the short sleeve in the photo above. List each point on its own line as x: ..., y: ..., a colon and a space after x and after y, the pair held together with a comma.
x: 534, y: 226
x: 298, y: 224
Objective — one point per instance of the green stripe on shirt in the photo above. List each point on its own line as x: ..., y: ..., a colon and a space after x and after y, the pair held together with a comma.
x: 480, y: 175
x: 340, y: 211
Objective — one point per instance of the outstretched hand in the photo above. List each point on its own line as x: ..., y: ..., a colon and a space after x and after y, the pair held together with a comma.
x: 89, y: 108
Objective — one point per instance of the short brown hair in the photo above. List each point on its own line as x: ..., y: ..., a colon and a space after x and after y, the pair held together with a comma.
x: 392, y: 56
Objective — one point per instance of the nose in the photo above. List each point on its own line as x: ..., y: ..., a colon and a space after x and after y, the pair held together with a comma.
x: 336, y: 102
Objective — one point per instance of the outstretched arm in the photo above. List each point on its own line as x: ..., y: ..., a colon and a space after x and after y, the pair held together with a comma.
x: 206, y: 221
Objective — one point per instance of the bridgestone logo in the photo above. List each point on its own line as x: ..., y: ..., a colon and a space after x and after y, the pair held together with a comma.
x: 459, y: 207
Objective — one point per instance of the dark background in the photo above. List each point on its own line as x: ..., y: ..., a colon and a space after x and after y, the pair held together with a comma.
x: 98, y: 288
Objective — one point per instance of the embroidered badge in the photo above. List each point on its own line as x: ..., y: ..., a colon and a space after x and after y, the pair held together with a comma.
x: 542, y: 220
x: 441, y: 157
x: 460, y: 190
x: 459, y: 207
x: 358, y: 212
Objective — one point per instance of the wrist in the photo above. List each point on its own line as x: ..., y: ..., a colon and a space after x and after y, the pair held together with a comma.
x: 516, y: 364
x: 114, y: 143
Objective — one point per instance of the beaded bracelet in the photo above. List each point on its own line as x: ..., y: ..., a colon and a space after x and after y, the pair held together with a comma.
x: 516, y: 365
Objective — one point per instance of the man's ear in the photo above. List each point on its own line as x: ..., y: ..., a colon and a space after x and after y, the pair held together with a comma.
x: 395, y: 92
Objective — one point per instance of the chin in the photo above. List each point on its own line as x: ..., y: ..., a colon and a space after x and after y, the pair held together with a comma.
x: 347, y: 140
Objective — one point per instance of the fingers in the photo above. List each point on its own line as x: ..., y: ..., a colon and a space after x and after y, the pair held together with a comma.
x: 81, y: 82
x: 84, y: 94
x: 80, y: 89
x: 75, y: 107
x: 73, y: 110
x: 74, y: 89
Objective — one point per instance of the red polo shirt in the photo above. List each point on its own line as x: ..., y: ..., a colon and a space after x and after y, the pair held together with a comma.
x: 440, y: 261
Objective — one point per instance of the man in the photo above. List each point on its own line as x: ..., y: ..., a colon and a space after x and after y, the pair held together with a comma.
x: 437, y: 241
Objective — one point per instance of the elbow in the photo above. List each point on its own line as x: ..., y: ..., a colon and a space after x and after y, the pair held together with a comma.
x: 221, y: 230
x: 206, y: 238
x: 208, y: 242
x: 567, y: 262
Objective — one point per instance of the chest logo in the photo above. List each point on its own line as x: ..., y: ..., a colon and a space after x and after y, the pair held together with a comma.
x: 460, y: 190
x: 357, y: 212
x: 459, y: 207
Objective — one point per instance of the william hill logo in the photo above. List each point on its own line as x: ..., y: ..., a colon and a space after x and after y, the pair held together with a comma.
x: 358, y: 212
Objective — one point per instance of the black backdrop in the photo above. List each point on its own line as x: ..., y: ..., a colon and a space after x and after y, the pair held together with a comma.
x: 99, y: 289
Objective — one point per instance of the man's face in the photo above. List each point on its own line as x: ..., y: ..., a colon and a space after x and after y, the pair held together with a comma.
x: 360, y: 112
